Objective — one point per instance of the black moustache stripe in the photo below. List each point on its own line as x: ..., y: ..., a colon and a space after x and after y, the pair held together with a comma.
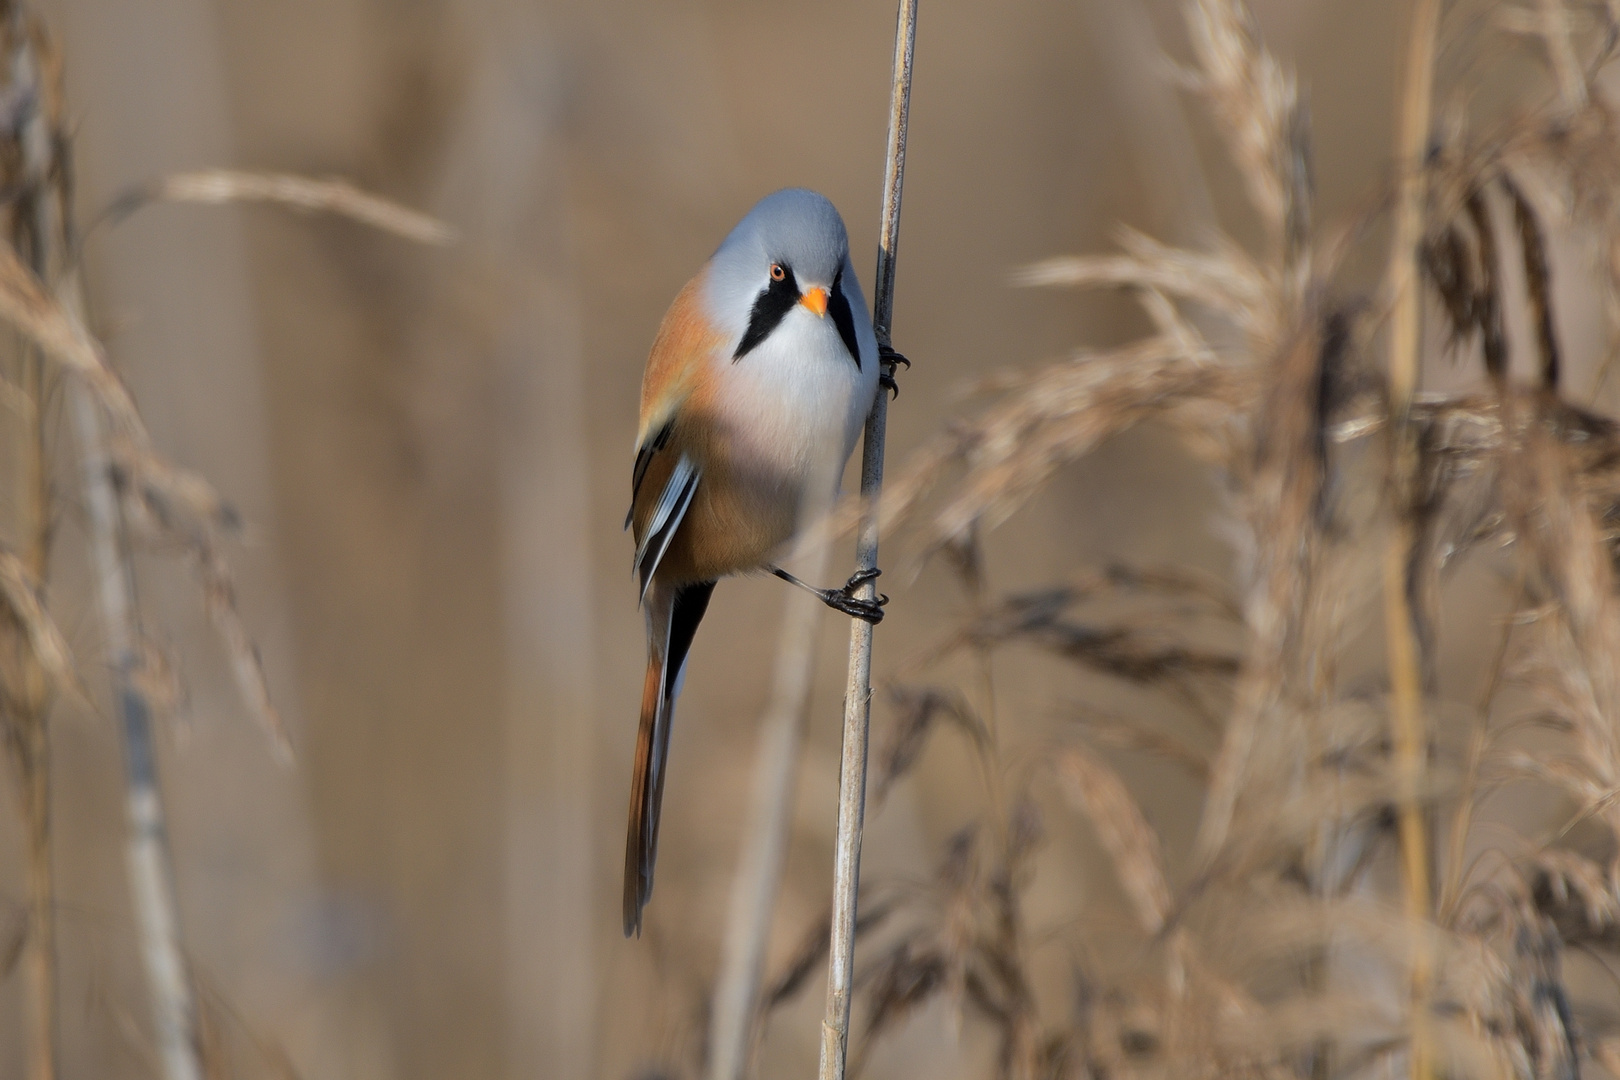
x: 844, y: 319
x: 770, y: 308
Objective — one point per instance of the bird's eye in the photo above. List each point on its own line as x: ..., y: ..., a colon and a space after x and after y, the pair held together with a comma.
x: 777, y: 273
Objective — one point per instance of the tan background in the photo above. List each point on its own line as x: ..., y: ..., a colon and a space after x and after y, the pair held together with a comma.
x: 433, y: 449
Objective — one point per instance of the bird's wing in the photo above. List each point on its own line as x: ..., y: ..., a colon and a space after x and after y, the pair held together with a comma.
x: 644, y: 459
x: 666, y: 476
x: 665, y: 517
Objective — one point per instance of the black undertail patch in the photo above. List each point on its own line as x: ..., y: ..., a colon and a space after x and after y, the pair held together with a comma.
x: 690, y: 604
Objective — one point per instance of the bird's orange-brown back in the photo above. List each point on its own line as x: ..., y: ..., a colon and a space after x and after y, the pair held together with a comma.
x: 677, y: 366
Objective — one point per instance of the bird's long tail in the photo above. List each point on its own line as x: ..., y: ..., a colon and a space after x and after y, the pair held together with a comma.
x: 673, y: 614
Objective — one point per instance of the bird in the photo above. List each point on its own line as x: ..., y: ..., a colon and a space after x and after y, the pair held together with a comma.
x: 761, y: 375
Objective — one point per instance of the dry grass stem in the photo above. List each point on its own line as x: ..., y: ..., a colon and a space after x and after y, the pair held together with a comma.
x: 28, y: 306
x: 758, y: 875
x: 844, y: 924
x: 332, y: 196
x: 36, y: 661
x: 20, y: 594
x: 1400, y: 629
x: 1130, y: 842
x: 1256, y: 101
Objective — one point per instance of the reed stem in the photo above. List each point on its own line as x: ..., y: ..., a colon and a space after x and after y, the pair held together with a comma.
x: 764, y: 854
x: 1405, y: 667
x: 147, y: 847
x: 31, y: 234
x: 858, y: 690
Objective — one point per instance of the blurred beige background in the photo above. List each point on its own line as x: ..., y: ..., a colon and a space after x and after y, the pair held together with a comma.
x: 433, y: 449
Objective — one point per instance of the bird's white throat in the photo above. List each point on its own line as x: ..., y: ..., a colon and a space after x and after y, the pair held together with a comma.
x: 797, y: 398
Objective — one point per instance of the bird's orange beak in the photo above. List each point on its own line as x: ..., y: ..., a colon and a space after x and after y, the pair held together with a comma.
x: 816, y: 300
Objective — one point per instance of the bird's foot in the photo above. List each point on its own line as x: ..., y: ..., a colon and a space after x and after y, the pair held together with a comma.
x: 889, y: 360
x: 846, y: 601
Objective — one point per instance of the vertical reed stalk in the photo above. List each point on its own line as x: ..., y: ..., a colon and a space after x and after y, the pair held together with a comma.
x: 27, y: 705
x: 27, y: 708
x: 1406, y: 686
x: 151, y: 874
x: 858, y: 690
x: 41, y: 962
x: 157, y: 920
x: 28, y: 700
x: 759, y: 867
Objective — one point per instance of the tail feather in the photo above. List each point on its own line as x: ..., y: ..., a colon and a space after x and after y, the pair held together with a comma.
x: 644, y: 798
x: 673, y: 615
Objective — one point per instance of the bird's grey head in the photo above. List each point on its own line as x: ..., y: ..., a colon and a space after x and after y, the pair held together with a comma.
x: 792, y: 243
x: 795, y: 228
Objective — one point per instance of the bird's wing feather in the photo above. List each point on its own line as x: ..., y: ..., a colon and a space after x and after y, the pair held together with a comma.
x: 644, y: 458
x: 686, y: 341
x: 665, y: 518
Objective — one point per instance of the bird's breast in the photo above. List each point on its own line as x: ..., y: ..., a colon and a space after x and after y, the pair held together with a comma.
x: 796, y: 402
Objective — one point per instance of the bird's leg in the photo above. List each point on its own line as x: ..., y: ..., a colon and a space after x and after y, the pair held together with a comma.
x: 844, y: 599
x: 888, y: 359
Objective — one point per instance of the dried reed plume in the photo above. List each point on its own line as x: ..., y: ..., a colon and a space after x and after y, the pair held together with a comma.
x: 1354, y: 904
x: 132, y: 498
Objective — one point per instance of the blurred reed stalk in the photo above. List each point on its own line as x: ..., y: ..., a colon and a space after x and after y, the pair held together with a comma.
x: 40, y: 233
x: 1400, y: 567
x: 151, y: 866
x: 758, y: 878
x: 858, y: 689
x: 147, y: 852
x: 25, y: 690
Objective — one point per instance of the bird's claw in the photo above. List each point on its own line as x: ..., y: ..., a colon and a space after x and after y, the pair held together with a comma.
x: 846, y: 601
x: 868, y: 610
x: 889, y: 359
x: 859, y: 578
